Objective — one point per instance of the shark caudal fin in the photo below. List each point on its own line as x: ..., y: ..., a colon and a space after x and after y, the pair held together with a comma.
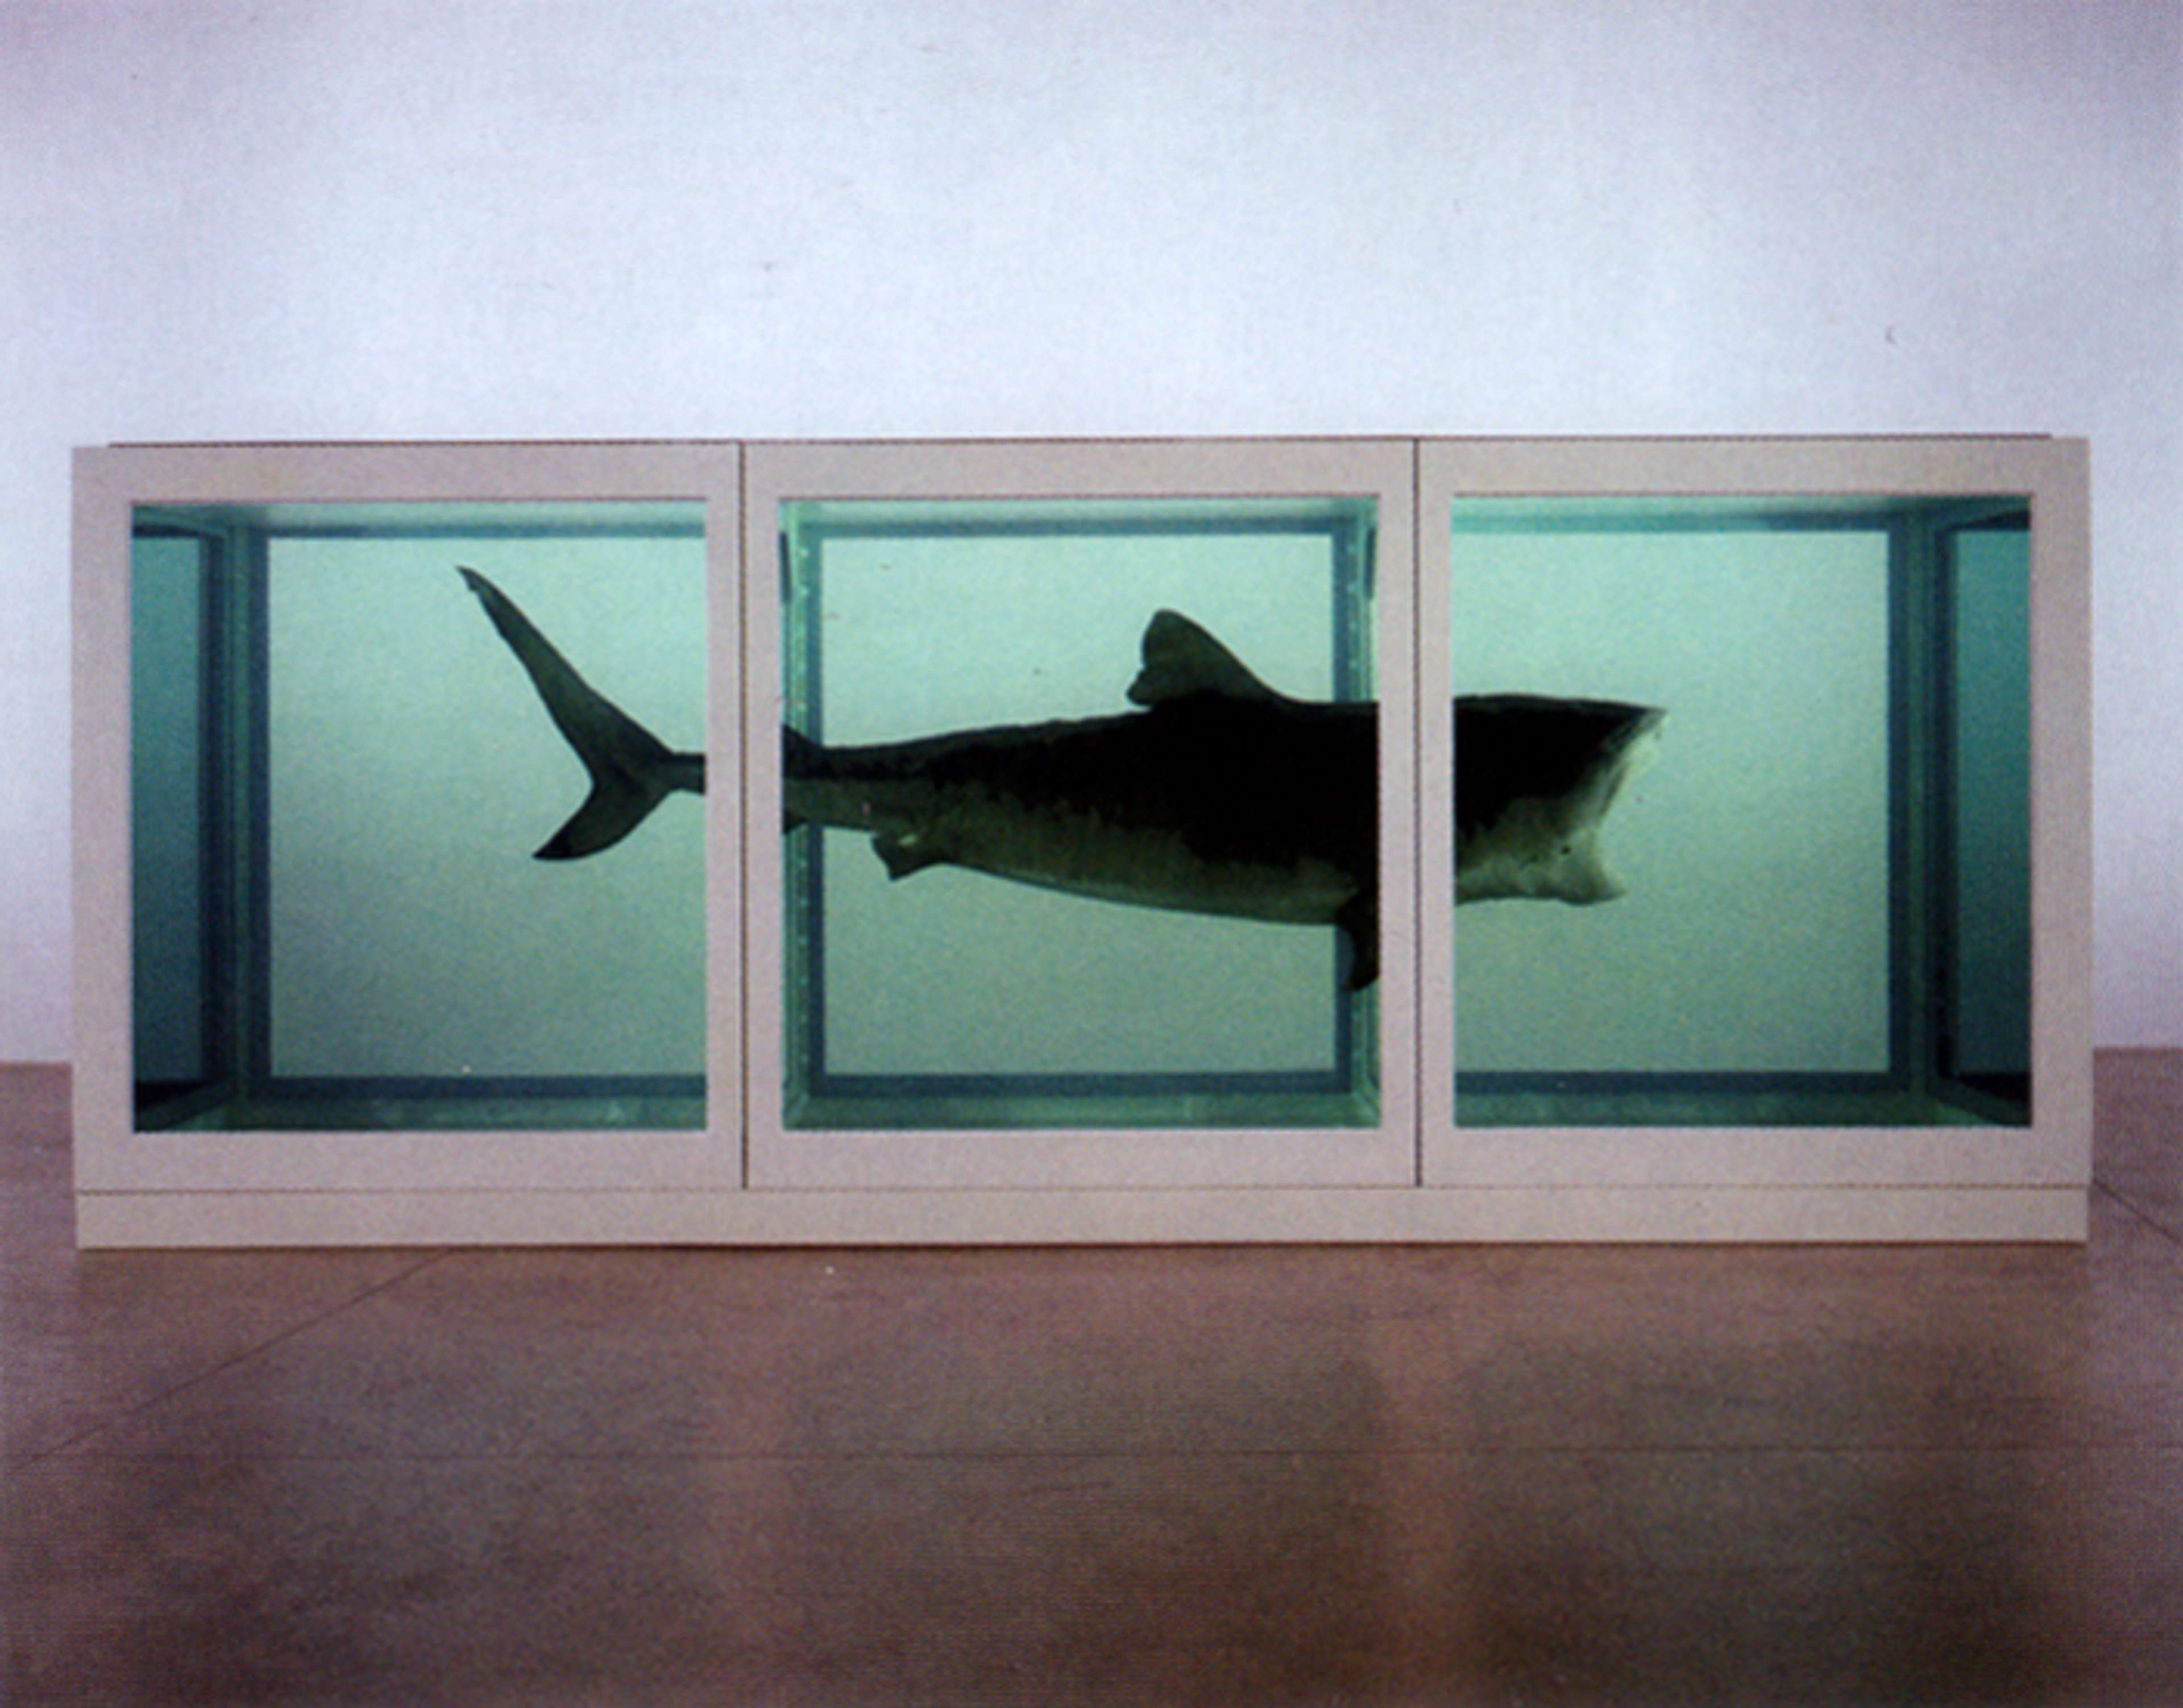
x: 632, y: 770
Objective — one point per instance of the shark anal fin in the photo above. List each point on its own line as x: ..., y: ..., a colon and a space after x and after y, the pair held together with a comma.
x: 902, y: 857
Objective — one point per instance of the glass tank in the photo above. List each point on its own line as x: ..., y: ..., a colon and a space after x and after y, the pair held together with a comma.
x: 772, y: 842
x: 1080, y: 814
x: 349, y: 735
x: 1772, y: 757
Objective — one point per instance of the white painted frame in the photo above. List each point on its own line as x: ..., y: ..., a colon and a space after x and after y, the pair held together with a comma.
x: 1130, y: 1158
x: 1427, y: 1180
x: 2046, y: 1163
x: 234, y: 1183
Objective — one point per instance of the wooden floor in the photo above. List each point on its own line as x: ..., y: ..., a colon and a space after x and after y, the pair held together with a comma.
x: 1840, y: 1475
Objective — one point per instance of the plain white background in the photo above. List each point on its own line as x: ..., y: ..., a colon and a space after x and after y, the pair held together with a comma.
x: 488, y: 219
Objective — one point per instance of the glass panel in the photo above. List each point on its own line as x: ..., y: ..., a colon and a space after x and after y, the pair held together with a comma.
x: 172, y: 816
x: 346, y: 752
x: 1120, y: 868
x: 1985, y: 1031
x: 1837, y: 700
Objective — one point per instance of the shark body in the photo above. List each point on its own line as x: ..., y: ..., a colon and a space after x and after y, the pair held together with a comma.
x: 1219, y: 796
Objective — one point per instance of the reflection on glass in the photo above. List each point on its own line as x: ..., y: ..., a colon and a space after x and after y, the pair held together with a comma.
x: 340, y: 771
x: 1818, y: 905
x: 1081, y: 804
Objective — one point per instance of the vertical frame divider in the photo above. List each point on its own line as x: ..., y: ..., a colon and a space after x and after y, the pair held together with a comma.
x: 1436, y: 1018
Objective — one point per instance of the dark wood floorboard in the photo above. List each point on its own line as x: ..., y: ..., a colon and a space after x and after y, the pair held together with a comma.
x: 1856, y: 1475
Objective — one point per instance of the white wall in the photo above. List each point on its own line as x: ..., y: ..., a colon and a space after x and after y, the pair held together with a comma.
x: 492, y: 219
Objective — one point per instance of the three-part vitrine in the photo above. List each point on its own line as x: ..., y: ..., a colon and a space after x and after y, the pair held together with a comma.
x: 1351, y: 839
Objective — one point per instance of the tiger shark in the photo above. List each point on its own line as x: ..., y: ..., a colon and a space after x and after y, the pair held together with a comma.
x: 1218, y: 795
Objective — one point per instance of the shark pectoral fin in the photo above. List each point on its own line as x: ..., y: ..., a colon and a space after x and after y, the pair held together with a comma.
x: 902, y: 857
x: 1359, y: 923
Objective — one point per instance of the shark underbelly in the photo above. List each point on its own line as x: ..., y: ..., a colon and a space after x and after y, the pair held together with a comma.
x: 1142, y: 861
x: 1150, y: 867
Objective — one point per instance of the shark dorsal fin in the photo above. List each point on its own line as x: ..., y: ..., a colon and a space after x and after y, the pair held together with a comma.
x: 1180, y: 659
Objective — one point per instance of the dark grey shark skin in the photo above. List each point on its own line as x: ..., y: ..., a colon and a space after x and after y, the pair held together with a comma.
x: 1219, y: 795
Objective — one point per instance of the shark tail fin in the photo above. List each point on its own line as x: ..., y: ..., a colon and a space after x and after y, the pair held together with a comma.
x: 632, y: 770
